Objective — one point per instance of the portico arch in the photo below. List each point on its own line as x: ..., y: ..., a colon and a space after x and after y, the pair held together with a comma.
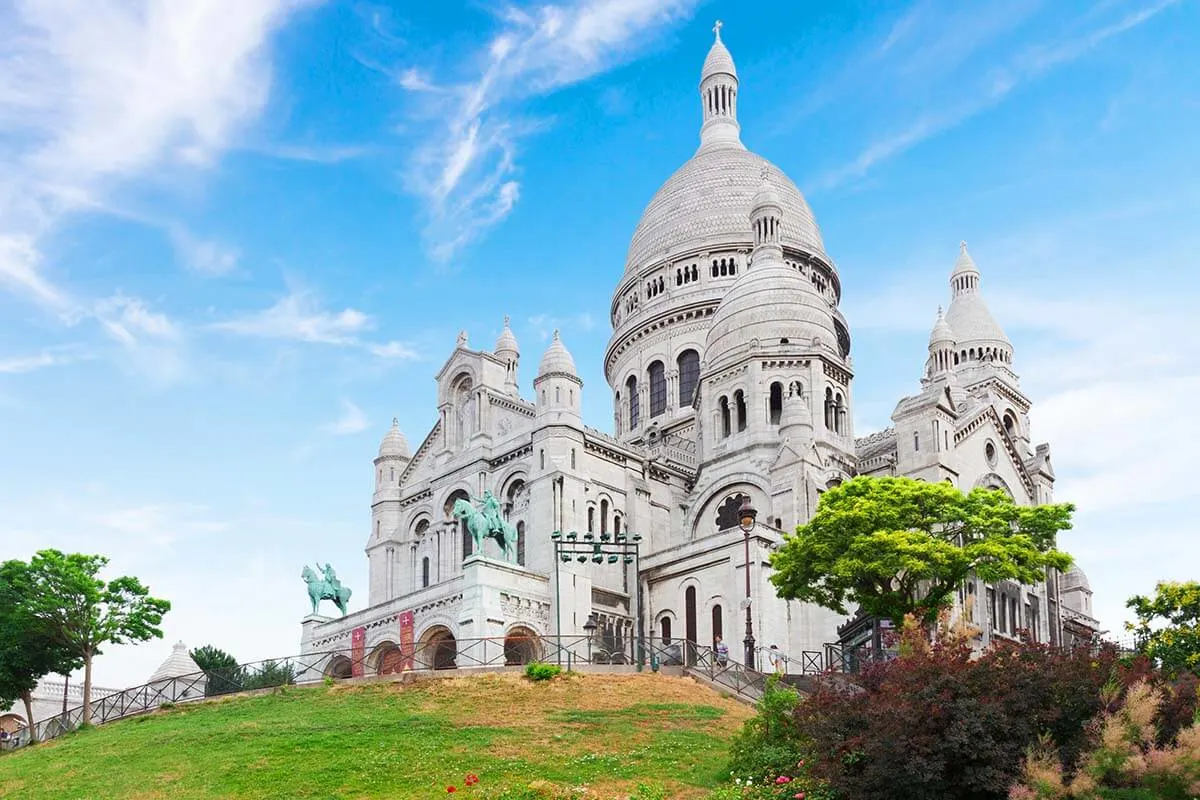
x: 339, y: 668
x: 521, y: 646
x: 385, y: 659
x: 438, y: 649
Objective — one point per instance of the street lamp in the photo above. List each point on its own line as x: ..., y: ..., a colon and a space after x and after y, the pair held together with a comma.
x: 746, y: 516
x: 589, y: 628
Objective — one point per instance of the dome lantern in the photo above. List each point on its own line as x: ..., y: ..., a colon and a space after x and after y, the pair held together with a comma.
x: 718, y: 98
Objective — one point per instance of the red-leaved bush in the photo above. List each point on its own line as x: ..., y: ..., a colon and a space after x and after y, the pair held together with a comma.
x: 936, y: 723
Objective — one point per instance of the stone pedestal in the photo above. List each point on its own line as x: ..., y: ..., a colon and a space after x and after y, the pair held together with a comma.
x: 307, y: 627
x: 499, y: 597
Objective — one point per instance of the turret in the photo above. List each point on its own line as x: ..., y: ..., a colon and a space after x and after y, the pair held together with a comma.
x: 766, y: 219
x: 557, y: 388
x: 392, y: 459
x: 718, y: 97
x: 507, y: 351
x: 980, y: 339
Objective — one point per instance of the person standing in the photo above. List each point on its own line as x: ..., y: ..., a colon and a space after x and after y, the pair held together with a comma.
x: 722, y: 651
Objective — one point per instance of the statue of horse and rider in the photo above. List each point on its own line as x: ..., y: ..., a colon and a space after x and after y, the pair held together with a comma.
x: 487, y: 523
x: 323, y: 584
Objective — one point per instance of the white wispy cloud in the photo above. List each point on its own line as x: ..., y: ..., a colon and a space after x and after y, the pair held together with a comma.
x: 97, y: 93
x: 129, y: 321
x: 395, y: 351
x: 203, y: 256
x: 299, y: 317
x: 352, y: 421
x: 986, y: 90
x: 15, y: 365
x: 467, y: 167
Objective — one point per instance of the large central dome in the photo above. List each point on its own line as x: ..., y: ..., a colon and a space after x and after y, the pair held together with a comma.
x: 707, y: 201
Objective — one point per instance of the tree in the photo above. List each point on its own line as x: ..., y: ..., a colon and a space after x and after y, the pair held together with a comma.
x: 897, y: 546
x: 1176, y: 645
x: 222, y: 670
x: 28, y: 651
x: 271, y: 674
x: 84, y: 612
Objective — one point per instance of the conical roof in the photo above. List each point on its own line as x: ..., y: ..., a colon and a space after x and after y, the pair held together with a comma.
x: 719, y: 61
x: 177, y: 665
x: 506, y: 343
x: 394, y: 443
x: 968, y: 315
x: 556, y: 359
x: 942, y: 332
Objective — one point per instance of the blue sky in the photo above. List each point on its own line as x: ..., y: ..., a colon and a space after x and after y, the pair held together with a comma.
x: 238, y: 236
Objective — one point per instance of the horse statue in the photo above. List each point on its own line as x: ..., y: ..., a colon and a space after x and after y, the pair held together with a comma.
x: 481, y: 529
x: 325, y: 588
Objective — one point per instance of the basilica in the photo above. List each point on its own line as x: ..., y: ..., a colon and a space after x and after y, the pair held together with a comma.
x: 731, y: 378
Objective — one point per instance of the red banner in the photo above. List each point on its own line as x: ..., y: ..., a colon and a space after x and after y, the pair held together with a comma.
x: 358, y: 647
x: 408, y: 646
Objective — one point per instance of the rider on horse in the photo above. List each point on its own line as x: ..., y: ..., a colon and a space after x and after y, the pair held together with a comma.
x: 490, y: 510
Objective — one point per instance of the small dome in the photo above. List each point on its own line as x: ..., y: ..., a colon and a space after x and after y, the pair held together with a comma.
x: 177, y: 665
x: 968, y: 316
x: 770, y: 303
x: 394, y: 443
x: 719, y: 61
x: 766, y: 195
x: 1075, y: 578
x: 506, y: 343
x: 556, y: 359
x: 942, y: 332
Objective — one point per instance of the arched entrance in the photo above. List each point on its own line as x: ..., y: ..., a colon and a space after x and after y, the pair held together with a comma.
x: 438, y: 649
x: 521, y: 646
x: 386, y: 659
x: 339, y: 667
x: 689, y: 623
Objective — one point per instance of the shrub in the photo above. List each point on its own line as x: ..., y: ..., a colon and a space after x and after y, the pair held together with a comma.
x: 935, y: 723
x: 542, y: 672
x: 1127, y: 761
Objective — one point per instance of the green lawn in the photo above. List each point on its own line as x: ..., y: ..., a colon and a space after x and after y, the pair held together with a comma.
x: 607, y: 733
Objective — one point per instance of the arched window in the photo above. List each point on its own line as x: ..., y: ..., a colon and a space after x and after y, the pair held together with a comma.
x: 718, y: 626
x: 542, y: 458
x: 740, y: 401
x: 665, y: 625
x: 795, y: 389
x: 603, y: 517
x: 839, y: 413
x: 658, y: 388
x: 424, y: 572
x: 775, y: 408
x: 572, y: 458
x: 616, y: 524
x: 828, y: 408
x: 689, y: 376
x: 724, y: 404
x: 467, y: 541
x: 1009, y: 423
x: 728, y: 515
x: 631, y: 388
x: 521, y: 543
x: 591, y: 519
x: 376, y: 529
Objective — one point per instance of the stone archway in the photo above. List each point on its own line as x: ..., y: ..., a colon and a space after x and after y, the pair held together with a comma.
x: 386, y: 659
x: 339, y: 667
x: 521, y: 646
x: 438, y: 649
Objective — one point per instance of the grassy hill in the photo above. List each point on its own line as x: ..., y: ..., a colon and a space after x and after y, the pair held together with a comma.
x: 595, y: 736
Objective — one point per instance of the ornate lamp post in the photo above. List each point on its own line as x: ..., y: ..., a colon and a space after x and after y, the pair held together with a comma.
x: 589, y: 628
x: 746, y: 516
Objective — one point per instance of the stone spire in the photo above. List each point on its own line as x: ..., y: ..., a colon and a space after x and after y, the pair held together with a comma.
x: 941, y: 346
x: 718, y: 98
x: 557, y: 386
x: 965, y: 277
x: 508, y: 352
x: 976, y: 331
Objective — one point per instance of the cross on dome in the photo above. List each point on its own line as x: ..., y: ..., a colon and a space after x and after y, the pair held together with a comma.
x: 717, y: 29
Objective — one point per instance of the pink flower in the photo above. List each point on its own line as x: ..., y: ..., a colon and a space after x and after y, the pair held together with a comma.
x: 783, y: 779
x: 471, y: 779
x: 799, y: 795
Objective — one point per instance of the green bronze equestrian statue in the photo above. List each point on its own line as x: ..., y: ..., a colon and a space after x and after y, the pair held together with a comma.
x: 323, y: 584
x: 487, y: 523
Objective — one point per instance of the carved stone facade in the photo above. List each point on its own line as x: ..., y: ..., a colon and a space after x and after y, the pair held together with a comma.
x: 730, y: 372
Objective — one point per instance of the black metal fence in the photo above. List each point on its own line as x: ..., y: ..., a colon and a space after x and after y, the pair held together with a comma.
x: 444, y: 653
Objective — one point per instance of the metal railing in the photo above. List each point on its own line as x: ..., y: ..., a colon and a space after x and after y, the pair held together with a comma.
x: 431, y: 656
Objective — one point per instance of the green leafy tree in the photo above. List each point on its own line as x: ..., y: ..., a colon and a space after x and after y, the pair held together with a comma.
x: 85, y: 612
x: 1168, y: 625
x: 897, y: 546
x: 28, y: 651
x: 222, y: 670
x: 270, y: 674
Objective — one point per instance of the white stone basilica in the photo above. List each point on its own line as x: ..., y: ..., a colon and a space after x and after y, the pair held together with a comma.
x: 731, y: 377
